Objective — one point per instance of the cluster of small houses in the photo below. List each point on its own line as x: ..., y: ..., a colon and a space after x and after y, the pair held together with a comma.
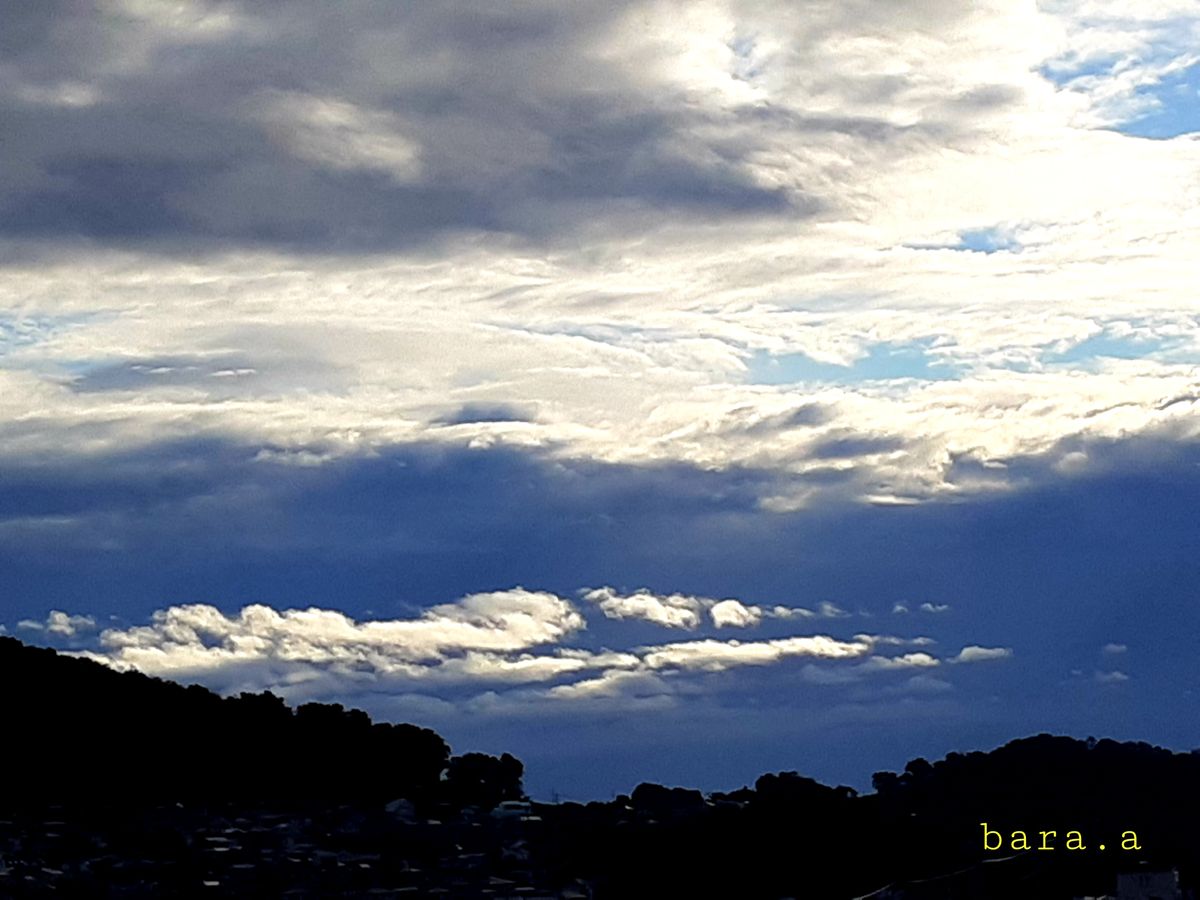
x: 173, y: 852
x: 397, y: 853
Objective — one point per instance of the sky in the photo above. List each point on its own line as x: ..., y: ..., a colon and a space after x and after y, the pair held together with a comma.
x: 653, y: 390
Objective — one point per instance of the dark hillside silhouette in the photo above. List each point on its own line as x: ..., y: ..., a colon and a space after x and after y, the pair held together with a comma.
x: 88, y: 733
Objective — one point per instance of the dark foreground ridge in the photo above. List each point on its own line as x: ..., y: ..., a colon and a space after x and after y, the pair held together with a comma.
x: 120, y: 785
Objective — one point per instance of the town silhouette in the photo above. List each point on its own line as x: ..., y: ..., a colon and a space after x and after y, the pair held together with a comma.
x: 121, y: 785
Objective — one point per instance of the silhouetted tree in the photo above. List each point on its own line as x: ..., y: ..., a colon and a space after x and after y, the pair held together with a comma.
x: 476, y: 779
x: 659, y: 801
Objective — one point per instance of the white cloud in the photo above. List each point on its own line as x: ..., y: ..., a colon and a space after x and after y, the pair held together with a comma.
x: 505, y: 652
x: 934, y: 607
x: 716, y: 656
x: 668, y: 610
x: 613, y: 684
x: 825, y: 610
x: 613, y: 691
x: 906, y: 661
x: 733, y: 614
x: 687, y: 612
x: 61, y: 624
x: 191, y: 640
x: 973, y: 653
x: 891, y: 640
x: 1114, y: 648
x: 879, y: 665
x: 482, y: 638
x: 1114, y: 677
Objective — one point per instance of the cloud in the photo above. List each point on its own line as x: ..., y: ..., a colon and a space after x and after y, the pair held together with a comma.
x: 934, y: 607
x: 613, y: 692
x: 60, y: 624
x: 687, y: 612
x: 1114, y: 677
x: 733, y: 614
x: 875, y: 665
x: 185, y: 641
x: 927, y: 684
x: 612, y: 685
x: 503, y: 652
x: 891, y: 640
x: 668, y: 610
x: 1113, y: 648
x: 477, y: 234
x: 825, y: 610
x: 339, y: 135
x: 920, y: 684
x: 475, y: 413
x: 717, y: 656
x: 905, y: 661
x: 1114, y: 57
x: 972, y: 653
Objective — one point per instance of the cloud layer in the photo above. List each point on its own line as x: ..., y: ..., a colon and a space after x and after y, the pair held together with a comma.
x: 875, y: 250
x: 59, y: 624
x: 504, y: 650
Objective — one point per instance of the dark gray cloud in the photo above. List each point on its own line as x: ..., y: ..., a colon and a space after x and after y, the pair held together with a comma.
x: 172, y: 371
x: 852, y: 445
x: 804, y: 416
x: 471, y: 413
x: 215, y: 123
x: 423, y: 522
x: 219, y: 376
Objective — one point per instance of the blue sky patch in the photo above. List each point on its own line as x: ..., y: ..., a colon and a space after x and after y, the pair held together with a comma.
x: 1175, y: 99
x: 977, y: 240
x: 25, y: 331
x: 883, y: 362
x: 1108, y: 346
x: 986, y: 240
x: 1176, y: 110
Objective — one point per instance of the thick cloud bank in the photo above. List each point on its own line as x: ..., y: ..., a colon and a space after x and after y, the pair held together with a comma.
x: 877, y: 249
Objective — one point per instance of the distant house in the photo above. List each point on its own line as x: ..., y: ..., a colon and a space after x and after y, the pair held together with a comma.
x: 512, y: 809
